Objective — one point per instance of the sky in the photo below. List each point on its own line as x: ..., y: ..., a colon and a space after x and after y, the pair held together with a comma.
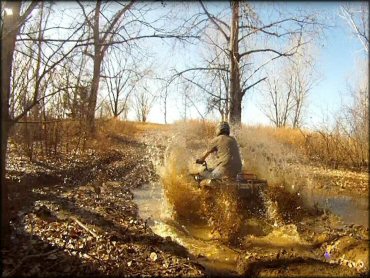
x: 337, y: 61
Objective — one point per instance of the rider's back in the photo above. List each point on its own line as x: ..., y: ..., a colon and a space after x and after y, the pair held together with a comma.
x: 228, y: 156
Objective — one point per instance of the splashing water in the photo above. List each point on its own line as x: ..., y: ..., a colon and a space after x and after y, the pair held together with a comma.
x: 183, y: 197
x: 283, y: 236
x: 272, y: 212
x: 207, y: 222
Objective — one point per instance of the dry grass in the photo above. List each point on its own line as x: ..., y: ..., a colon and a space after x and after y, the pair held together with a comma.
x: 58, y: 137
x: 195, y: 129
x: 331, y: 149
x: 50, y: 138
x: 290, y: 158
x: 116, y: 126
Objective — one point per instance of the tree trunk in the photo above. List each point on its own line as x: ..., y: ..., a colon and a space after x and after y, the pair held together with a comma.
x: 236, y: 96
x: 5, y: 228
x: 98, y: 57
x: 94, y: 93
x: 8, y: 37
x: 165, y: 107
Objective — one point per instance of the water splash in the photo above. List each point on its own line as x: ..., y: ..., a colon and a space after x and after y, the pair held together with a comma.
x: 272, y: 211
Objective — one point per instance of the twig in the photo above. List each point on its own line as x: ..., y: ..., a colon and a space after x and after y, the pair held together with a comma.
x: 15, y: 269
x: 83, y: 226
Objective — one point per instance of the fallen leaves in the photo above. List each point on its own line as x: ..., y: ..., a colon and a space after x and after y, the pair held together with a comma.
x: 92, y: 227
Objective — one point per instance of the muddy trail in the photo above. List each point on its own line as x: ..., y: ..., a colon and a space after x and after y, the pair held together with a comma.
x: 76, y: 217
x: 108, y: 214
x: 305, y: 233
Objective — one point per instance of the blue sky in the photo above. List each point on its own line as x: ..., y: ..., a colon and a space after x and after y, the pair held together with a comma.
x: 338, y: 65
x: 339, y: 52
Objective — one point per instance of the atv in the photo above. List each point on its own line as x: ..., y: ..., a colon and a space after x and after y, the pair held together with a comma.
x: 247, y: 184
x: 244, y: 197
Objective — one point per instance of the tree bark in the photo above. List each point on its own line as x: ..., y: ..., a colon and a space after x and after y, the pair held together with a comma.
x: 236, y: 96
x: 94, y: 92
x: 98, y: 57
x: 8, y: 38
x: 10, y: 29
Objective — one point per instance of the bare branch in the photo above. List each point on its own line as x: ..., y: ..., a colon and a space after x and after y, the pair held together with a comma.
x: 212, y: 18
x: 252, y: 85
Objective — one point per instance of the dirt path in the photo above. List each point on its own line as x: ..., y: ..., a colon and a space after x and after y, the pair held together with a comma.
x: 80, y: 220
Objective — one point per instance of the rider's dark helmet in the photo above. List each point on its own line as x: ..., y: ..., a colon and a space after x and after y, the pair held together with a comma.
x: 223, y: 128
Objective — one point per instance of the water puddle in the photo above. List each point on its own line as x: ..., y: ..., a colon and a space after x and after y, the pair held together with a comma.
x: 351, y: 210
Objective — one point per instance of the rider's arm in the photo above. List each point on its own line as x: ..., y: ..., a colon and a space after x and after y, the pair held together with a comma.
x: 212, y: 148
x: 206, y: 154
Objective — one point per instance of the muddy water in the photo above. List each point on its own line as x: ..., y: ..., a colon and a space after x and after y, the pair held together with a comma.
x: 220, y: 259
x: 214, y: 256
x: 351, y: 210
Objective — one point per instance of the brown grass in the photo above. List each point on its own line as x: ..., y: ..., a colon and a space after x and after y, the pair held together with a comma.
x: 65, y: 137
x: 331, y: 149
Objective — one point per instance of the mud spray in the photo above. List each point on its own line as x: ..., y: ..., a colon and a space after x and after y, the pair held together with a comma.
x: 210, y: 223
x: 213, y: 225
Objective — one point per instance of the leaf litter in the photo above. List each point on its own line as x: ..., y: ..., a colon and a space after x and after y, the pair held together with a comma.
x: 78, y: 218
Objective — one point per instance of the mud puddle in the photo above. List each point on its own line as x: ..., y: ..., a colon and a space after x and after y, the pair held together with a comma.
x: 352, y: 210
x: 198, y: 239
x: 217, y: 257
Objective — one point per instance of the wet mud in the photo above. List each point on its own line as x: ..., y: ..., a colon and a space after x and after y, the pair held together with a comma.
x: 278, y: 233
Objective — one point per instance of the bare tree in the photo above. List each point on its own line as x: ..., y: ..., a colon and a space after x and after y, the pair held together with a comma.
x: 288, y: 87
x: 25, y: 38
x: 143, y: 104
x: 278, y: 103
x: 244, y: 39
x: 164, y: 90
x: 120, y: 77
x: 12, y: 22
x: 353, y: 120
x: 357, y: 16
x: 102, y: 36
x: 74, y: 78
x: 126, y: 26
x: 301, y: 82
x: 164, y: 96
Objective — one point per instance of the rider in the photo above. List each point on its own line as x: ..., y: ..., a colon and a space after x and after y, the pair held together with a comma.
x: 228, y: 162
